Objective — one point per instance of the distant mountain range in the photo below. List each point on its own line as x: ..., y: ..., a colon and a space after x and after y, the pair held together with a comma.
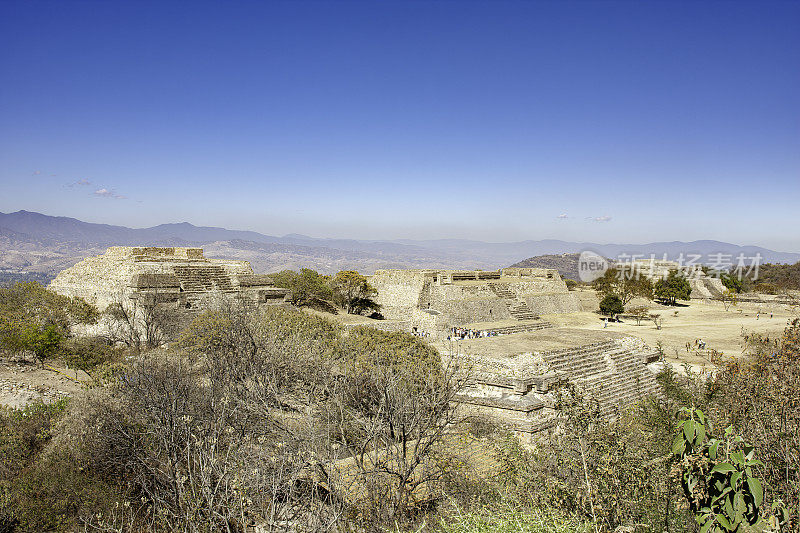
x: 42, y: 243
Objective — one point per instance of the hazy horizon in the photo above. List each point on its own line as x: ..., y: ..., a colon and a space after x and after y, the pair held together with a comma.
x: 290, y: 234
x: 612, y: 122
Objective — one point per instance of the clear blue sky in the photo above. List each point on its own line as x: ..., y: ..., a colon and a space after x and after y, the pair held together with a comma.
x: 598, y: 121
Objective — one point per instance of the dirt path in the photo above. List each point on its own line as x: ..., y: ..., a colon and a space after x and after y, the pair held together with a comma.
x: 22, y: 382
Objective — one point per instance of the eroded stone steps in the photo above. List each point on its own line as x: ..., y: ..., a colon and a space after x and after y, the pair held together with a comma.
x: 203, y: 278
x: 613, y: 375
x: 522, y: 328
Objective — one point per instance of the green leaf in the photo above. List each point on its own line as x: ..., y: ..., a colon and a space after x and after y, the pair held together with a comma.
x: 728, y: 505
x: 701, y: 432
x: 688, y: 430
x: 721, y: 495
x: 678, y: 445
x: 712, y: 450
x: 738, y: 501
x: 756, y: 490
x: 723, y: 468
x: 706, y: 526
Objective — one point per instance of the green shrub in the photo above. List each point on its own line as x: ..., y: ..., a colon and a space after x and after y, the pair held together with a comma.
x: 611, y: 305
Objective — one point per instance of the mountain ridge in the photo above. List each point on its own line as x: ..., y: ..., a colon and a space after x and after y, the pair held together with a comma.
x: 54, y: 242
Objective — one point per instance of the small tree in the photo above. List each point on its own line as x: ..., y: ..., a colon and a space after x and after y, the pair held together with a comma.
x: 657, y: 319
x: 640, y: 313
x: 728, y: 298
x: 611, y: 305
x: 38, y: 320
x: 674, y: 287
x: 43, y: 341
x: 351, y: 291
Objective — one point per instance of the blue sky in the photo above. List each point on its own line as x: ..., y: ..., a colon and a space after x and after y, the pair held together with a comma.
x: 590, y: 121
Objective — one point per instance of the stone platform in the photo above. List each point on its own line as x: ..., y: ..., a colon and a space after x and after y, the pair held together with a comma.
x: 176, y: 277
x: 515, y: 379
x: 436, y: 300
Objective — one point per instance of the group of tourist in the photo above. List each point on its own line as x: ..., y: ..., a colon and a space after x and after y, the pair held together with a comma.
x: 698, y: 343
x: 467, y: 333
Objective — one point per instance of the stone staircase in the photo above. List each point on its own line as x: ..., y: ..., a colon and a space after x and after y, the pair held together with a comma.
x: 521, y: 311
x: 517, y: 308
x: 502, y: 291
x: 203, y: 278
x: 614, y: 375
x: 522, y: 328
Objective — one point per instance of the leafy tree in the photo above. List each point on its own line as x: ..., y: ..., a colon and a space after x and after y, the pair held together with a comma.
x: 306, y: 286
x: 35, y: 319
x: 626, y: 282
x: 732, y: 283
x: 352, y: 291
x: 674, y: 287
x: 760, y: 395
x: 86, y: 353
x: 611, y: 305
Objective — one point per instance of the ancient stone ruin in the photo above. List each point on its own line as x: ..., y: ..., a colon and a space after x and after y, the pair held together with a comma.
x: 180, y: 278
x: 515, y: 375
x: 515, y: 381
x: 703, y: 286
x: 506, y: 301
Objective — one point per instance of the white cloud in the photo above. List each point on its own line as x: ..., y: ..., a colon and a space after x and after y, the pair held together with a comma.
x: 37, y: 172
x: 106, y: 193
x: 604, y: 218
x: 562, y: 215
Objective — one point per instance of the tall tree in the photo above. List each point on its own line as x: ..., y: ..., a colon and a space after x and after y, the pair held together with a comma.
x: 625, y: 282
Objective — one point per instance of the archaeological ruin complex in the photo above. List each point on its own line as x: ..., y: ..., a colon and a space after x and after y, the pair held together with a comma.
x: 511, y: 299
x: 703, y: 286
x: 181, y: 278
x: 515, y: 374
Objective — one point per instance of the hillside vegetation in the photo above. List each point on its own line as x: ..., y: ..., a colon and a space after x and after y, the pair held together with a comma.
x: 282, y: 420
x: 783, y: 277
x: 566, y: 264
